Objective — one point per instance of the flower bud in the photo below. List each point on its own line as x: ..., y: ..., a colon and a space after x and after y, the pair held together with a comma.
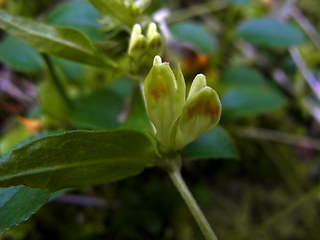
x: 164, y: 97
x: 201, y: 112
x: 178, y: 121
x: 137, y: 44
x: 154, y: 40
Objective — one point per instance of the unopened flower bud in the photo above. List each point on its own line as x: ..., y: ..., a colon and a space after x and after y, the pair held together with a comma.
x: 164, y: 97
x: 178, y: 121
x: 137, y: 44
x: 154, y: 39
x: 201, y: 112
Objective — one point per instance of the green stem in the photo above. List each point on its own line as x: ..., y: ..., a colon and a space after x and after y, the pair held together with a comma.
x: 192, y: 204
x: 56, y: 81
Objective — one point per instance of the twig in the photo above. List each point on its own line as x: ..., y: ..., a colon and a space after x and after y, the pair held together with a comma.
x: 282, y: 79
x: 313, y: 82
x: 282, y: 137
x: 8, y: 87
x: 312, y: 107
x: 286, y: 10
x: 307, y: 27
x: 305, y: 71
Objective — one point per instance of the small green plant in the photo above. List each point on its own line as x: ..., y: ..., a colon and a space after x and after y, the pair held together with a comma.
x: 81, y: 158
x: 118, y: 88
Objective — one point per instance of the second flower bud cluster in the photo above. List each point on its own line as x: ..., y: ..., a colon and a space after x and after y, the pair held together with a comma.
x: 144, y: 48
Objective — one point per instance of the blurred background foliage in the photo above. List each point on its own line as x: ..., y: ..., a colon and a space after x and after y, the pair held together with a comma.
x: 262, y: 179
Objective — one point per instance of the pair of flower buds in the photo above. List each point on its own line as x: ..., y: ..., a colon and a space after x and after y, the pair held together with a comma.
x: 178, y: 119
x: 144, y: 46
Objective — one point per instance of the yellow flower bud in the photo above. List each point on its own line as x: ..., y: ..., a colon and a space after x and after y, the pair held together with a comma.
x: 201, y: 112
x: 154, y: 40
x: 178, y: 121
x: 137, y: 44
x: 164, y: 97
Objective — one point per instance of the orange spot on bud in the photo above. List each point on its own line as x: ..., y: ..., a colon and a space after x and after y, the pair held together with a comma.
x: 160, y: 88
x: 195, y: 110
x: 211, y: 110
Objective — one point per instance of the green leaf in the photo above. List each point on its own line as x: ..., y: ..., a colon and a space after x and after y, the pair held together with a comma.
x: 80, y: 15
x: 98, y: 110
x: 270, y: 32
x: 19, y: 55
x: 48, y: 94
x: 241, y: 75
x: 63, y: 42
x: 196, y: 34
x: 72, y: 70
x: 245, y: 92
x: 17, y: 204
x: 137, y: 118
x: 121, y: 86
x: 117, y: 12
x: 77, y: 158
x: 214, y: 144
x: 243, y: 101
x: 12, y: 138
x: 106, y: 8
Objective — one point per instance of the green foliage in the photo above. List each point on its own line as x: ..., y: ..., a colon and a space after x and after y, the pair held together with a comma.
x: 244, y: 101
x: 270, y: 32
x: 99, y: 110
x: 48, y: 93
x: 242, y: 76
x: 77, y: 158
x: 117, y: 12
x: 137, y: 118
x: 72, y: 70
x: 245, y: 92
x: 268, y: 104
x: 63, y: 42
x: 17, y: 204
x: 195, y: 34
x: 20, y: 56
x: 13, y: 138
x: 215, y: 144
x: 80, y: 15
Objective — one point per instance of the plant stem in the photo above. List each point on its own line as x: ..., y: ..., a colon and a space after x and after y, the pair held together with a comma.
x: 56, y: 81
x: 192, y: 205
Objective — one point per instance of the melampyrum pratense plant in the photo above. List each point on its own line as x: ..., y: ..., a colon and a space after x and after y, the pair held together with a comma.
x: 36, y: 169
